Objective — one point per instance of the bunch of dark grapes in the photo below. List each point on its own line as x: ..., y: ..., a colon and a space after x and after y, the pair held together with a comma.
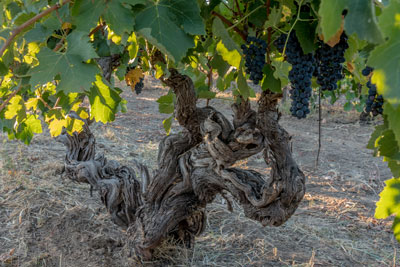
x: 329, y: 63
x: 374, y: 101
x: 300, y: 75
x: 255, y: 58
x: 138, y: 86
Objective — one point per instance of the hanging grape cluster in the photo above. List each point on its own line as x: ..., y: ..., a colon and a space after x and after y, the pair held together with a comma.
x: 300, y: 75
x: 329, y: 63
x: 255, y: 58
x: 139, y: 85
x: 374, y: 101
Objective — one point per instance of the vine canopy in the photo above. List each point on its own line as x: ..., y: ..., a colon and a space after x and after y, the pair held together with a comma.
x: 55, y: 56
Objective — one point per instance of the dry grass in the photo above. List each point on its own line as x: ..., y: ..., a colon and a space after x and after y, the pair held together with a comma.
x: 45, y: 221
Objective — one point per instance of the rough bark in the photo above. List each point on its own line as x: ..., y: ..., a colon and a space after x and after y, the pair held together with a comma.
x: 108, y: 64
x: 193, y: 167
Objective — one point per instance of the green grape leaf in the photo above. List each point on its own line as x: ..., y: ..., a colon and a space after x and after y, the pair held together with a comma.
x: 274, y: 17
x: 379, y: 129
x: 393, y: 117
x: 220, y: 84
x: 305, y: 32
x: 119, y: 18
x: 121, y: 72
x: 6, y: 125
x: 220, y: 65
x: 242, y: 85
x: 259, y: 16
x: 389, y: 203
x: 166, y: 27
x: 385, y: 58
x: 331, y: 16
x: 388, y: 20
x: 1, y: 15
x: 220, y: 31
x: 394, y: 166
x: 227, y: 81
x: 104, y: 101
x: 166, y: 103
x: 76, y: 76
x: 361, y: 20
x: 282, y: 69
x: 187, y: 13
x: 166, y: 108
x: 21, y: 18
x: 78, y: 44
x: 387, y: 145
x: 3, y: 68
x: 28, y: 128
x: 348, y: 106
x: 206, y: 94
x: 270, y: 82
x: 86, y: 13
x: 134, y: 2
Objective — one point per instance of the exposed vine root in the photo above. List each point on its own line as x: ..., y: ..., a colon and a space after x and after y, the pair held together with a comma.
x: 193, y: 167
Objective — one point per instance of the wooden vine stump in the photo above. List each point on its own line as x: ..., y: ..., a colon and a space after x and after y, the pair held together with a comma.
x: 193, y: 167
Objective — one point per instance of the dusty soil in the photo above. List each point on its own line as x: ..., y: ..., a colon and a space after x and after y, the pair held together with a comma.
x: 45, y: 221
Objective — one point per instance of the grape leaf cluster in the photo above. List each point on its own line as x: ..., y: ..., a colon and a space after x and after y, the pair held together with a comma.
x: 374, y: 101
x: 329, y: 63
x: 300, y: 75
x: 254, y: 53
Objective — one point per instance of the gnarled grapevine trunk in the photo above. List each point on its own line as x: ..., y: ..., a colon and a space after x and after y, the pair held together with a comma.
x: 193, y: 167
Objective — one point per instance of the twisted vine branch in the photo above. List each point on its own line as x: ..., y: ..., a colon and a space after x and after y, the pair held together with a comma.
x: 193, y: 167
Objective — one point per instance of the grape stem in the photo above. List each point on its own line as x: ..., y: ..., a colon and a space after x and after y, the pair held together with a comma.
x: 29, y: 22
x: 238, y: 7
x: 292, y: 27
x: 98, y: 27
x: 319, y: 127
x: 230, y: 24
x: 209, y: 74
x: 269, y: 30
x: 233, y: 26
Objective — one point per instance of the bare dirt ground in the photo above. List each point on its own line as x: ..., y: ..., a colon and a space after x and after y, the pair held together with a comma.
x: 45, y: 221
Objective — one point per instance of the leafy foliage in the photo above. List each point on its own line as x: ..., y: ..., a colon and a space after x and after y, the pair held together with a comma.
x: 63, y: 60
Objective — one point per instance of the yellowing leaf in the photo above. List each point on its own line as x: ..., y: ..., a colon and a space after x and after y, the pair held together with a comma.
x: 15, y: 108
x: 31, y: 103
x: 57, y: 121
x: 335, y: 39
x: 133, y: 46
x: 56, y: 126
x: 133, y: 77
x: 350, y: 66
x: 74, y: 125
x: 66, y: 25
x: 232, y: 57
x: 389, y: 203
